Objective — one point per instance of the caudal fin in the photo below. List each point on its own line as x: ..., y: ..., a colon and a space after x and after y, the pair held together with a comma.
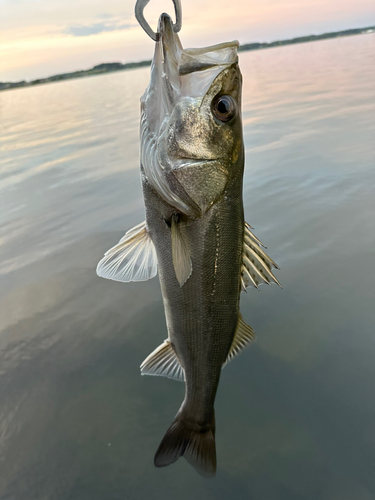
x: 197, y: 445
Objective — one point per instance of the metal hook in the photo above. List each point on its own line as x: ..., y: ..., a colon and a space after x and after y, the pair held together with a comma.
x: 139, y: 7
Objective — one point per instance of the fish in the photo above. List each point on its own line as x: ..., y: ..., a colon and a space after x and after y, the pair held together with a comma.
x: 194, y: 234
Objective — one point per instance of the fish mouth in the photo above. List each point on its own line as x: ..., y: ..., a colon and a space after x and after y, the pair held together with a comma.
x: 176, y: 74
x: 170, y: 49
x: 166, y: 35
x: 189, y: 71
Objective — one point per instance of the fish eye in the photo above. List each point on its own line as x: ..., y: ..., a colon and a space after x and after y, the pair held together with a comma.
x: 224, y: 107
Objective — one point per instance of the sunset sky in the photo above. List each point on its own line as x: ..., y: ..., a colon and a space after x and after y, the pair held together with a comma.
x: 39, y: 38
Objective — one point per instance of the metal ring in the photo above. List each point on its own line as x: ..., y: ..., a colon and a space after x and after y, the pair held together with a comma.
x: 139, y: 7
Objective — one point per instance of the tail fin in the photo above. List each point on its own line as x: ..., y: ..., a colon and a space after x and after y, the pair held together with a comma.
x: 195, y: 443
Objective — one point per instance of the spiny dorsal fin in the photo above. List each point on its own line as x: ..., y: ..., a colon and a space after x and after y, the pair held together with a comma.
x: 132, y: 259
x: 180, y: 252
x: 242, y: 338
x: 163, y: 362
x: 256, y: 264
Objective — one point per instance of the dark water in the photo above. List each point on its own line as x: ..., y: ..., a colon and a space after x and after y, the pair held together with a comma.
x: 295, y: 412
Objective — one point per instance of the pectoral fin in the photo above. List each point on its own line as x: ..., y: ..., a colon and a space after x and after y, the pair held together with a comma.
x: 180, y: 252
x: 163, y: 362
x: 132, y: 259
x: 242, y: 338
x: 256, y: 264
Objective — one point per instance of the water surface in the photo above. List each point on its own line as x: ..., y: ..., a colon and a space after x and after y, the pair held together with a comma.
x: 296, y: 411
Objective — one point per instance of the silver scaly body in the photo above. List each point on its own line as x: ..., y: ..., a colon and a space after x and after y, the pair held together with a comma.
x: 192, y: 161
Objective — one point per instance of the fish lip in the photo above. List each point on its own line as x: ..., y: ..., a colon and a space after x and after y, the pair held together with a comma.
x: 169, y: 41
x: 164, y: 19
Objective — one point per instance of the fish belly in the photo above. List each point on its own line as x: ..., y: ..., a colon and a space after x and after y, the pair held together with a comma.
x: 201, y: 315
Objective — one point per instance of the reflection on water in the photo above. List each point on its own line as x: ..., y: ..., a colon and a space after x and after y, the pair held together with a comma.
x: 295, y: 413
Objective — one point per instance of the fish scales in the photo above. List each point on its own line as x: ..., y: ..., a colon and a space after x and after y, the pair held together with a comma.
x: 202, y: 314
x: 194, y: 235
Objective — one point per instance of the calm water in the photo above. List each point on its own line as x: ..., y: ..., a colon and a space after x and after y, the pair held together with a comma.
x: 295, y: 412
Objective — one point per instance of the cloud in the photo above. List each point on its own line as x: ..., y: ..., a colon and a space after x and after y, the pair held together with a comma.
x: 105, y: 15
x: 94, y: 29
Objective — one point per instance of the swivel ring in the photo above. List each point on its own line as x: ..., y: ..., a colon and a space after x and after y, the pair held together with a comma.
x: 139, y: 7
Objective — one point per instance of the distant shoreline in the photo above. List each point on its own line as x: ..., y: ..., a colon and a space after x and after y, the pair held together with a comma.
x: 116, y: 66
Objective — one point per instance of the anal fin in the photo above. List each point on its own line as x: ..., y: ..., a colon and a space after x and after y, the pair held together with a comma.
x: 163, y: 362
x: 242, y: 338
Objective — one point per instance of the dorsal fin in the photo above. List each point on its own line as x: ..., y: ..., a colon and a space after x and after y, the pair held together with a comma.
x: 256, y: 264
x: 180, y: 252
x: 242, y: 338
x: 132, y: 259
x: 163, y: 362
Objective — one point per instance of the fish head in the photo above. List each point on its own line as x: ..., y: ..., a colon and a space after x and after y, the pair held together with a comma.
x: 191, y: 128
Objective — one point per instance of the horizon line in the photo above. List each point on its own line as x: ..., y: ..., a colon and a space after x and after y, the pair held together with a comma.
x: 117, y: 66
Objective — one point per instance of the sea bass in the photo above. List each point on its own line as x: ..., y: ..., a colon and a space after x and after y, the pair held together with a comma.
x: 194, y: 235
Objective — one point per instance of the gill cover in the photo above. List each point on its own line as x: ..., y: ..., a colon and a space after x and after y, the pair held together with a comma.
x: 176, y: 154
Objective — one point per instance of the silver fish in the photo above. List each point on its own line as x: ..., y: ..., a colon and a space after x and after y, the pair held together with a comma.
x: 192, y: 162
